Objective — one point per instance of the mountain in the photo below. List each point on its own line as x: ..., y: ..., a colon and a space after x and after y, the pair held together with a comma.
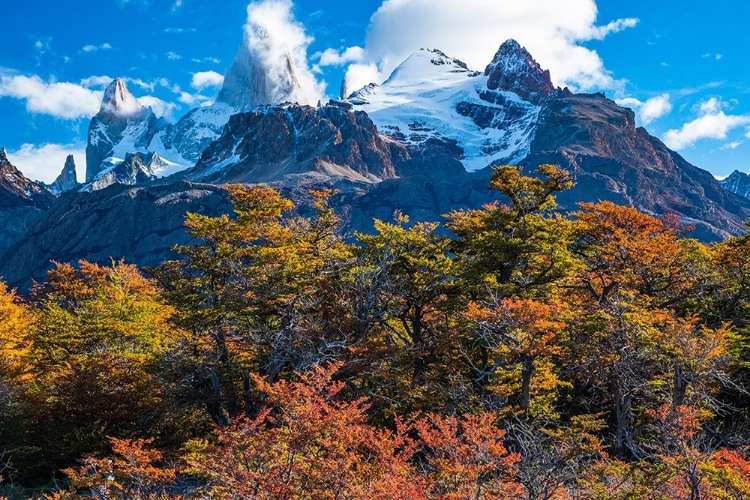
x: 432, y: 97
x: 136, y: 168
x: 276, y: 143
x: 420, y: 143
x: 511, y: 114
x: 514, y: 70
x: 22, y: 201
x: 122, y: 125
x: 184, y: 142
x: 18, y: 191
x: 262, y: 73
x: 738, y: 183
x: 139, y: 223
x: 67, y: 180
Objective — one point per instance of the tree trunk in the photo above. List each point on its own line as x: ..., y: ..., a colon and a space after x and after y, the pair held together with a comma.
x: 680, y: 387
x: 623, y: 419
x: 209, y: 384
x: 527, y: 371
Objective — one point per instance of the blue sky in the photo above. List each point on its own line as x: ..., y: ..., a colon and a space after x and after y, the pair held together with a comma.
x: 680, y: 65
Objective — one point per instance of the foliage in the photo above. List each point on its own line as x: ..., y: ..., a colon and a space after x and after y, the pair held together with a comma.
x: 516, y: 352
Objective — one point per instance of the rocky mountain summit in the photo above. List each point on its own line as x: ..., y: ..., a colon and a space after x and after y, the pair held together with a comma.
x: 67, y: 180
x: 514, y: 70
x: 123, y: 125
x: 737, y: 182
x: 18, y: 191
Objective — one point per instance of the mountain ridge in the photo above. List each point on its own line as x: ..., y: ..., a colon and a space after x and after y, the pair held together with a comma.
x: 421, y: 143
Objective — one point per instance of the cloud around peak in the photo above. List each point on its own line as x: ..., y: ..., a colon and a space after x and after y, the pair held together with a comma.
x: 552, y: 30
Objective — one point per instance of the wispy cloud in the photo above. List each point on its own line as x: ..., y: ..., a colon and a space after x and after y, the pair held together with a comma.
x: 173, y: 56
x: 176, y: 30
x: 96, y: 48
x: 213, y: 60
x: 59, y: 99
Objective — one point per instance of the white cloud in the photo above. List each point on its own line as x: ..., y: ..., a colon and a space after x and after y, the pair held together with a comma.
x: 94, y: 48
x: 59, y: 99
x: 274, y: 37
x: 161, y: 109
x: 193, y: 100
x: 173, y: 56
x: 72, y: 101
x: 97, y: 81
x: 551, y: 30
x: 332, y: 57
x: 650, y: 110
x: 45, y: 162
x: 205, y: 79
x: 732, y: 145
x: 601, y: 32
x: 712, y: 123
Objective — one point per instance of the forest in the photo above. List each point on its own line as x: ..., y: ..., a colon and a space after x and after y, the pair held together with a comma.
x: 513, y: 352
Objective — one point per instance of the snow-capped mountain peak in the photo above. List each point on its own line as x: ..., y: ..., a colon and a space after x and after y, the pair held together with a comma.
x: 738, y: 183
x: 119, y: 101
x: 261, y: 75
x: 433, y: 97
x: 427, y: 65
x: 513, y: 69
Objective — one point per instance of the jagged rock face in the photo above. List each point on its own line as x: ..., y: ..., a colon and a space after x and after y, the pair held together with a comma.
x: 514, y: 70
x: 67, y: 180
x: 122, y: 126
x: 260, y: 77
x: 433, y: 97
x: 22, y: 202
x: 137, y: 168
x: 140, y: 224
x: 18, y: 191
x: 611, y: 159
x: 738, y: 183
x: 185, y: 141
x: 274, y: 143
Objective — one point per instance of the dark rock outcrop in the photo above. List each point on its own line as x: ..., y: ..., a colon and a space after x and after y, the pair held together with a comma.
x: 514, y: 70
x: 276, y: 143
x: 136, y: 168
x: 22, y: 202
x: 140, y: 224
x: 611, y: 159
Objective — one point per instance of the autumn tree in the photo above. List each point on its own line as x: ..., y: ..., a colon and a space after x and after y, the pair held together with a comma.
x: 258, y: 294
x: 309, y: 443
x: 636, y: 271
x: 134, y: 472
x: 518, y: 248
x: 467, y: 458
x: 98, y: 348
x: 403, y: 292
x: 16, y: 370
